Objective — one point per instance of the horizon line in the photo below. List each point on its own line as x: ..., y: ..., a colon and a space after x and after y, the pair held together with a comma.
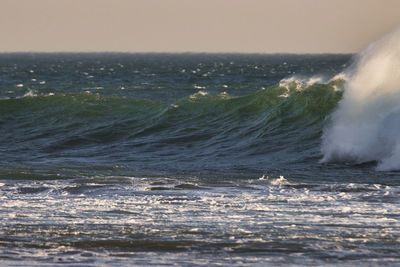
x: 177, y: 52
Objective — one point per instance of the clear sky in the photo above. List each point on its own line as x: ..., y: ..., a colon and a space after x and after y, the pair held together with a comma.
x: 250, y: 26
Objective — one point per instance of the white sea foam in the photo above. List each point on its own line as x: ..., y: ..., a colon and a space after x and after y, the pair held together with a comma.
x: 289, y: 82
x: 199, y: 87
x: 341, y: 76
x: 280, y: 180
x: 366, y: 125
x: 225, y: 95
x: 275, y: 181
x: 295, y: 83
x: 30, y: 93
x: 300, y: 83
x: 313, y: 80
x: 198, y: 94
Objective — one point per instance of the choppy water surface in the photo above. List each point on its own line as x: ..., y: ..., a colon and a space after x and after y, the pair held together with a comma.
x: 185, y: 159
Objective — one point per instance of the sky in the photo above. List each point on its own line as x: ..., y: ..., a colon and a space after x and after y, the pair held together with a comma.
x: 244, y: 26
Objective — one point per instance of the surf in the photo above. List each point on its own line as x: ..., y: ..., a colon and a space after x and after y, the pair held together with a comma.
x: 365, y: 127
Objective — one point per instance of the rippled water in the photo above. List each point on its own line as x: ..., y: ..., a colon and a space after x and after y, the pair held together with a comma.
x: 127, y: 220
x: 124, y: 159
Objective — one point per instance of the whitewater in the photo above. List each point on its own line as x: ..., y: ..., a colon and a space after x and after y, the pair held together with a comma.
x: 365, y: 127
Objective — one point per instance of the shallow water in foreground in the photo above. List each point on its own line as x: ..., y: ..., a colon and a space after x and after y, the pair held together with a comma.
x: 125, y: 220
x: 119, y: 159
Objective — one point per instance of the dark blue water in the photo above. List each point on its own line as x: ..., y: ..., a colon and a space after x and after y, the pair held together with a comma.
x: 193, y: 159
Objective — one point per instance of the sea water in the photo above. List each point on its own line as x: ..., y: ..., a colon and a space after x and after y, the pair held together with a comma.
x: 199, y: 159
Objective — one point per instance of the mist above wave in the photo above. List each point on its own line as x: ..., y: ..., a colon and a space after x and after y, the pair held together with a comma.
x: 366, y: 125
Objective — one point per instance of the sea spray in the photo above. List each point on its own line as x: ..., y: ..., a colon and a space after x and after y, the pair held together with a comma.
x: 366, y: 125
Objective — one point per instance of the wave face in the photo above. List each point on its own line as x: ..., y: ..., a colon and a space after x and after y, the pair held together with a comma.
x: 223, y: 114
x: 196, y: 131
x: 366, y: 125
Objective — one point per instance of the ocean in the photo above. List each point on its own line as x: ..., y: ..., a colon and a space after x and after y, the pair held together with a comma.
x: 115, y: 159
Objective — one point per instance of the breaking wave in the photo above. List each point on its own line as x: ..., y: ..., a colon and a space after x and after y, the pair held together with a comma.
x: 200, y: 128
x: 366, y: 125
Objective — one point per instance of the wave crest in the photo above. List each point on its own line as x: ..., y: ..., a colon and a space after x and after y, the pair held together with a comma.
x: 366, y: 125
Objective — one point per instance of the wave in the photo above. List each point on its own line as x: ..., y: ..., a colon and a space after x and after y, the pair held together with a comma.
x: 202, y: 130
x: 366, y: 125
x: 292, y: 99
